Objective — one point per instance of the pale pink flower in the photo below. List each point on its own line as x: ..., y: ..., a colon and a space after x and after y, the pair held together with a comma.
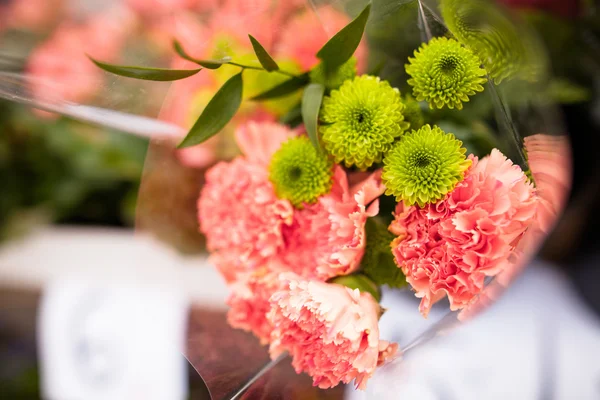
x: 238, y: 210
x: 289, y: 7
x: 249, y: 303
x: 35, y: 15
x: 103, y: 35
x: 307, y: 32
x: 327, y: 238
x: 206, y: 5
x: 59, y: 68
x: 238, y: 18
x: 161, y: 7
x: 61, y: 72
x: 450, y: 247
x: 330, y: 331
x: 184, y: 27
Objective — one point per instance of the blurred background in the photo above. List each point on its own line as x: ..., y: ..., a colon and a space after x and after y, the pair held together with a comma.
x: 77, y: 198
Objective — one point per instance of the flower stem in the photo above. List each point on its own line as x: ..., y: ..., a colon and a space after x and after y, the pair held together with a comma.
x: 261, y: 69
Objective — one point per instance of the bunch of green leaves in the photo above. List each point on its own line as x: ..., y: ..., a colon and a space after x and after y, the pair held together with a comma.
x: 227, y: 100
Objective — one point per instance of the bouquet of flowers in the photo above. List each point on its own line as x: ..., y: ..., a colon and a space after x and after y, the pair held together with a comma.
x: 357, y: 187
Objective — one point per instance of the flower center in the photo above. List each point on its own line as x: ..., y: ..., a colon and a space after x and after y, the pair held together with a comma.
x: 421, y: 160
x: 360, y: 118
x: 295, y: 173
x: 448, y: 63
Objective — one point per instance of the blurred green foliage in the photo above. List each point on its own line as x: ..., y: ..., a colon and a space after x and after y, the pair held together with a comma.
x: 58, y: 170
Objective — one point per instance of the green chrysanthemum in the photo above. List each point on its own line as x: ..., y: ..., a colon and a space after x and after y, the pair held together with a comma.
x: 361, y: 121
x: 413, y: 113
x: 424, y: 166
x: 336, y: 79
x: 378, y: 262
x: 299, y: 173
x: 444, y: 73
x: 507, y: 49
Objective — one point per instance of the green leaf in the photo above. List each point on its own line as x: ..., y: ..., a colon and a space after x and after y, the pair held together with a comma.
x: 284, y: 88
x: 149, y: 74
x: 263, y: 56
x: 208, y: 64
x: 311, y: 105
x: 342, y: 46
x: 219, y: 111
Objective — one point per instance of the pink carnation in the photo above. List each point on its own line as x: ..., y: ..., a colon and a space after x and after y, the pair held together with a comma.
x: 249, y: 302
x: 450, y: 247
x: 239, y: 213
x: 330, y: 331
x: 549, y: 159
x: 327, y: 238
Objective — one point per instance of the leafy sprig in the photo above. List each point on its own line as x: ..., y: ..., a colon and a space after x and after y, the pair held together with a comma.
x: 226, y: 102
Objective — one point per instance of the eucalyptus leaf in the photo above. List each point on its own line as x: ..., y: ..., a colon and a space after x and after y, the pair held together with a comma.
x: 144, y: 73
x: 284, y: 88
x: 342, y: 46
x: 219, y: 111
x: 208, y: 64
x: 311, y: 105
x: 263, y: 56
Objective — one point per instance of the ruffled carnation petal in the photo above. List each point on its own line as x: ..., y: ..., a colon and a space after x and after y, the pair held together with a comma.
x: 249, y: 302
x: 328, y: 238
x: 241, y: 217
x: 330, y: 331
